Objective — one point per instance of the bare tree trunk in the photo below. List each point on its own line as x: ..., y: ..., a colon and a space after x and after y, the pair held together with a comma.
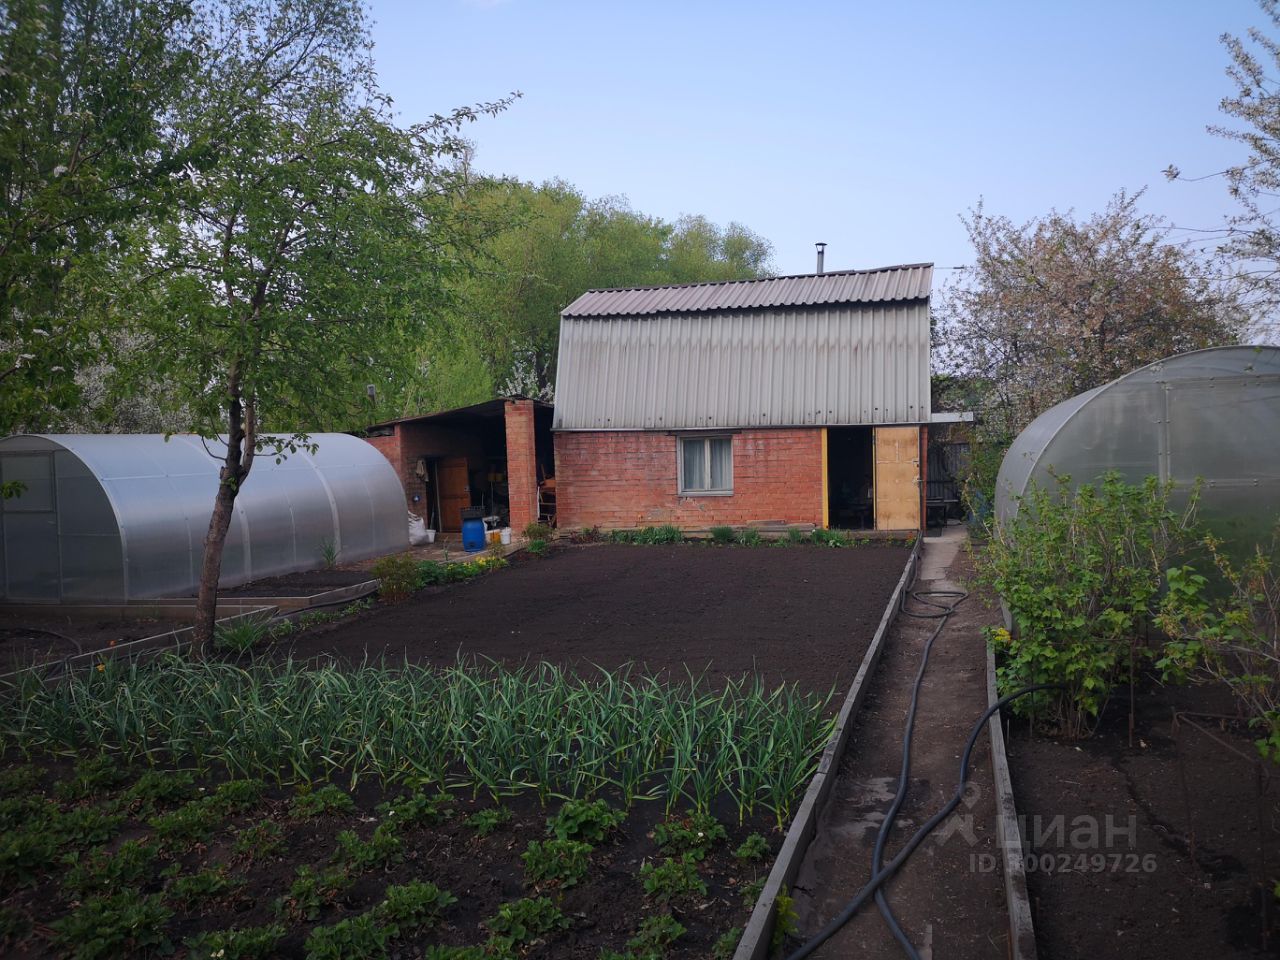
x: 241, y: 440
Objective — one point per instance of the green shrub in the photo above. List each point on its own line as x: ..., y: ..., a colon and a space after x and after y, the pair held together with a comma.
x: 22, y: 813
x: 694, y: 834
x: 21, y: 780
x: 101, y: 870
x: 355, y: 938
x: 727, y: 944
x: 588, y: 820
x: 1081, y: 574
x: 382, y: 848
x: 398, y: 574
x: 156, y: 789
x: 247, y: 943
x: 828, y: 538
x: 537, y: 547
x: 124, y: 924
x: 485, y: 822
x: 722, y: 535
x: 561, y: 862
x: 242, y: 635
x: 235, y: 796
x: 194, y: 889
x: 261, y: 840
x: 655, y: 935
x: 25, y: 855
x: 749, y: 537
x: 86, y: 826
x: 416, y: 808
x: 786, y: 922
x: 409, y: 907
x: 1230, y: 634
x: 522, y: 921
x: 672, y: 879
x: 537, y: 531
x: 328, y: 800
x: 755, y: 847
x: 795, y: 537
x: 92, y: 778
x: 311, y: 892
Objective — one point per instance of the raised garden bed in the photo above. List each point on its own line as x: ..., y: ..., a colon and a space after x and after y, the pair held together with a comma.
x: 30, y: 637
x: 1093, y: 893
x: 208, y: 860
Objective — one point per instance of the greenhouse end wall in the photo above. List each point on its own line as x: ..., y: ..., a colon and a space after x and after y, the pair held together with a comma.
x: 124, y: 516
x: 1211, y: 417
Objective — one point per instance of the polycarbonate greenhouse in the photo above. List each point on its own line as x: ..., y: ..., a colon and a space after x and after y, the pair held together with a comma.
x: 1211, y: 415
x: 119, y: 517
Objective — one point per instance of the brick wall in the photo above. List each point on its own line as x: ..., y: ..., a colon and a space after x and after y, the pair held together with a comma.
x: 522, y: 465
x: 409, y: 441
x: 628, y: 479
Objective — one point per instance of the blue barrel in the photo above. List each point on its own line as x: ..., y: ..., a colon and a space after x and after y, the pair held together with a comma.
x: 473, y: 534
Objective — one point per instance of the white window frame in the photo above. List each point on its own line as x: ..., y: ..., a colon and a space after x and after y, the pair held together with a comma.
x: 705, y: 440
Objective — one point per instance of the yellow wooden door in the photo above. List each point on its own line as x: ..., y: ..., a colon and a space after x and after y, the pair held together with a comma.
x: 897, y: 451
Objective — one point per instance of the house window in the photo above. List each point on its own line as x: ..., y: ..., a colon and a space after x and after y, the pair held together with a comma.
x: 706, y: 465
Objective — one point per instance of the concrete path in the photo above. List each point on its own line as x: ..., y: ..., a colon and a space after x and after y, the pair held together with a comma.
x: 947, y: 899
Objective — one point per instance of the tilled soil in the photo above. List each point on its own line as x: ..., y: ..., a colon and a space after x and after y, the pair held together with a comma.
x: 28, y: 638
x: 799, y: 615
x: 1096, y: 894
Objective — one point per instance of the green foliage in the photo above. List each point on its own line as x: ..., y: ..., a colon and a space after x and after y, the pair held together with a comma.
x: 382, y: 848
x: 247, y: 943
x: 751, y: 892
x: 559, y: 862
x: 399, y: 577
x: 828, y: 538
x: 327, y: 801
x: 672, y: 879
x: 124, y: 924
x: 311, y: 892
x: 25, y: 854
x: 694, y: 834
x: 102, y: 870
x: 87, y: 826
x: 749, y: 537
x: 648, y: 536
x: 439, y: 952
x: 656, y: 934
x: 786, y: 922
x: 432, y: 572
x: 488, y: 820
x: 14, y: 926
x: 795, y: 537
x: 589, y: 820
x: 409, y: 907
x: 235, y: 796
x: 415, y: 809
x: 355, y: 938
x: 755, y: 847
x: 19, y: 780
x: 726, y: 944
x: 1081, y: 574
x: 156, y: 789
x: 522, y: 921
x: 1230, y: 634
x: 259, y: 841
x: 192, y: 890
x: 537, y: 531
x: 722, y: 535
x: 537, y: 547
x: 241, y: 635
x: 487, y: 726
x: 93, y: 776
x: 328, y: 553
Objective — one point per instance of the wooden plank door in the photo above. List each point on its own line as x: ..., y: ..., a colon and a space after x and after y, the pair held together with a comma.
x: 455, y: 492
x: 897, y: 451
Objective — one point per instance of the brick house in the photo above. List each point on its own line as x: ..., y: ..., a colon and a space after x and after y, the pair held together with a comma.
x: 787, y: 400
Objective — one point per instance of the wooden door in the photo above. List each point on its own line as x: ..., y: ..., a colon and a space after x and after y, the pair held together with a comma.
x: 455, y: 492
x: 897, y: 451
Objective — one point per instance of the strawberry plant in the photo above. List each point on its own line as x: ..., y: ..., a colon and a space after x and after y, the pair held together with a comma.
x: 260, y: 841
x: 588, y: 820
x: 246, y: 943
x: 409, y: 907
x: 124, y: 924
x: 559, y: 862
x: 156, y: 789
x: 694, y: 834
x: 356, y: 938
x: 416, y: 808
x: 382, y: 848
x: 486, y: 821
x: 103, y: 870
x: 328, y: 800
x: 755, y: 847
x: 672, y: 879
x: 311, y: 892
x: 521, y: 922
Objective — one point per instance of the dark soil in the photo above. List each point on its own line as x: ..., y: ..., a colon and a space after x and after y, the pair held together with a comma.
x: 797, y: 614
x: 942, y: 896
x: 482, y: 872
x: 31, y: 638
x: 1152, y: 899
x: 306, y: 583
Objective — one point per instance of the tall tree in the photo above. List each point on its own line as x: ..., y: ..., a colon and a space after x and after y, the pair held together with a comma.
x: 1057, y: 306
x: 83, y: 87
x: 313, y: 239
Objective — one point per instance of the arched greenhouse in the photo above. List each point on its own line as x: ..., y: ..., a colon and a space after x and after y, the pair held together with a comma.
x: 124, y: 516
x: 1211, y: 415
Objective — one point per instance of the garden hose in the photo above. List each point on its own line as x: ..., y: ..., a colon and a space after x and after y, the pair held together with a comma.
x: 892, y: 867
x: 930, y: 598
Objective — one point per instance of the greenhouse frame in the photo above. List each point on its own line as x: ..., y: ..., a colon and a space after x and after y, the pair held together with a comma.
x: 1210, y: 416
x: 118, y: 517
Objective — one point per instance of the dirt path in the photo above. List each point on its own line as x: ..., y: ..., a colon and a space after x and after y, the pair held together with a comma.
x: 945, y: 900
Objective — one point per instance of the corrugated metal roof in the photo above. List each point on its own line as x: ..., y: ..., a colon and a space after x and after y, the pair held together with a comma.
x: 886, y: 284
x: 861, y: 363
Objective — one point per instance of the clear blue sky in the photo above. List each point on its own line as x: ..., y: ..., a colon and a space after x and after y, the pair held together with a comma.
x: 868, y: 125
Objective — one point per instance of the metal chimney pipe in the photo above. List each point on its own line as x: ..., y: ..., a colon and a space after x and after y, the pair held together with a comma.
x: 822, y: 250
